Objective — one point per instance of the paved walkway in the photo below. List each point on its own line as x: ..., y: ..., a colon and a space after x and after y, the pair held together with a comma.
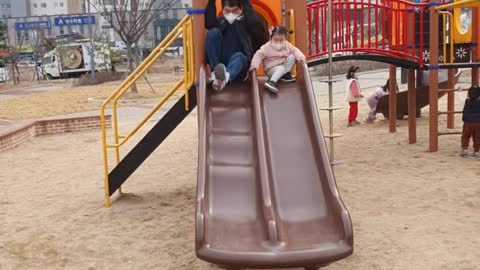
x: 33, y: 89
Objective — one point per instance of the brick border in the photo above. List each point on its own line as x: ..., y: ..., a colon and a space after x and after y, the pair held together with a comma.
x: 23, y: 131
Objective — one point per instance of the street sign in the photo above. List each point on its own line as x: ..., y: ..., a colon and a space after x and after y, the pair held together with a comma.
x: 77, y: 20
x: 33, y: 25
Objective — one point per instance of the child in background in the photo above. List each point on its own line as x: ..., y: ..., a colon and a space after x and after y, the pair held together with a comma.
x: 353, y: 95
x: 374, y: 98
x: 278, y: 57
x: 471, y: 119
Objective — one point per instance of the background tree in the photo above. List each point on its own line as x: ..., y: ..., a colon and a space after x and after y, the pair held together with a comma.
x: 3, y: 35
x: 15, y: 50
x: 3, y: 47
x: 130, y: 19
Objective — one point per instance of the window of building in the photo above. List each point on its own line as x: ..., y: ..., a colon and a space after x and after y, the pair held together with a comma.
x: 35, y: 5
x: 44, y: 5
x: 9, y: 6
x: 61, y: 4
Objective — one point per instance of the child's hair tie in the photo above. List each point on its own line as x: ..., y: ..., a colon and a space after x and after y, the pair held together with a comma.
x: 271, y: 29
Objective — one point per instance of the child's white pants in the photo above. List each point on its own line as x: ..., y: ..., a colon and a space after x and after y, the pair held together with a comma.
x: 274, y: 74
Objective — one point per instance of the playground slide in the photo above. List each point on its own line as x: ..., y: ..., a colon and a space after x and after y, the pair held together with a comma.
x: 423, y: 96
x: 267, y: 196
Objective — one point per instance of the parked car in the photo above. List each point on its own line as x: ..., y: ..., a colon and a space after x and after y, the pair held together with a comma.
x: 26, y: 64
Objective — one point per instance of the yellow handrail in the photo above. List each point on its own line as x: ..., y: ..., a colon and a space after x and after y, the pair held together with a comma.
x: 461, y: 4
x: 185, y: 29
x: 293, y: 38
x: 446, y: 14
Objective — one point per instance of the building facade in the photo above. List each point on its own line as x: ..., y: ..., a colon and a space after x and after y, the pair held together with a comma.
x: 157, y: 30
x: 29, y: 31
x: 21, y: 8
x: 55, y: 7
x: 169, y: 19
x: 5, y: 10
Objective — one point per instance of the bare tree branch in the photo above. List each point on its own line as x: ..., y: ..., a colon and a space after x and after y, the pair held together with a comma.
x: 130, y: 19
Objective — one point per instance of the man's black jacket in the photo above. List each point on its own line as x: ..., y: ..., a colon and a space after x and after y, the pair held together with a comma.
x: 252, y: 32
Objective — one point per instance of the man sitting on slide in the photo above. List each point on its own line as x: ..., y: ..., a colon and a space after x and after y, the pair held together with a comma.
x: 232, y: 40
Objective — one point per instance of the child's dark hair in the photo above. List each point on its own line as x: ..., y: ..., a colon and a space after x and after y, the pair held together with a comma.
x: 232, y: 3
x: 386, y: 87
x: 351, y: 72
x: 474, y: 92
x: 279, y: 30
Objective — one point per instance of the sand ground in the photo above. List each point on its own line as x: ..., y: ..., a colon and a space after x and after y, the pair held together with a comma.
x: 410, y: 209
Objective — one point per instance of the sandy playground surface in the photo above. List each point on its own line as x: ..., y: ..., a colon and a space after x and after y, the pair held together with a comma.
x: 410, y: 209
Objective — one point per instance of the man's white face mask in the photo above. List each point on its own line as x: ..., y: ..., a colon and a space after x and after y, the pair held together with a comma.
x: 231, y: 17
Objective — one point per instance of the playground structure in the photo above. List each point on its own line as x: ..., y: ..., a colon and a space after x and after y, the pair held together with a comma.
x: 399, y: 34
x: 422, y: 98
x: 257, y: 206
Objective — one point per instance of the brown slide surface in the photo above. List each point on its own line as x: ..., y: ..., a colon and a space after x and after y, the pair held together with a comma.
x: 267, y: 196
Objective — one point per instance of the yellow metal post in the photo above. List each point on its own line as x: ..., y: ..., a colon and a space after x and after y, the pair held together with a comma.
x: 293, y: 38
x: 105, y: 161
x: 446, y: 14
x: 186, y: 65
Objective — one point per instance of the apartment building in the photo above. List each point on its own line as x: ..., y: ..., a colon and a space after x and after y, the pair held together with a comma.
x: 55, y: 7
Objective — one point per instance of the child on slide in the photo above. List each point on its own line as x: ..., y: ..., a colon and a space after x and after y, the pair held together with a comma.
x: 278, y: 57
x: 471, y: 119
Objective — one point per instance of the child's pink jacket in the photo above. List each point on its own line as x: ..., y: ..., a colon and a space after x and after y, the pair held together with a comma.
x: 270, y: 57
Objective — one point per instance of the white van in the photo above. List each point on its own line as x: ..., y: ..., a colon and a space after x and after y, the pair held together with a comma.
x: 4, y: 75
x: 73, y: 60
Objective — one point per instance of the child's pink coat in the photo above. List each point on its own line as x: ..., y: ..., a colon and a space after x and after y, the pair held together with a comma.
x: 270, y: 57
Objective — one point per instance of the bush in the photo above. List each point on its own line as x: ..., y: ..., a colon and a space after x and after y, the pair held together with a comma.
x: 100, y: 78
x: 2, y: 63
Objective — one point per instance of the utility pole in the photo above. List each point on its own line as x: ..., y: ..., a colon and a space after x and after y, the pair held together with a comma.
x: 330, y: 79
x: 92, y: 43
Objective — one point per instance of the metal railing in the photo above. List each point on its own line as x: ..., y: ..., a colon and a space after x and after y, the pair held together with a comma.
x: 183, y: 29
x: 367, y: 26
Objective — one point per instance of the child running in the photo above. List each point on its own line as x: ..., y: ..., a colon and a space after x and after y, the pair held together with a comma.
x: 278, y: 57
x: 471, y: 119
x: 353, y: 95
